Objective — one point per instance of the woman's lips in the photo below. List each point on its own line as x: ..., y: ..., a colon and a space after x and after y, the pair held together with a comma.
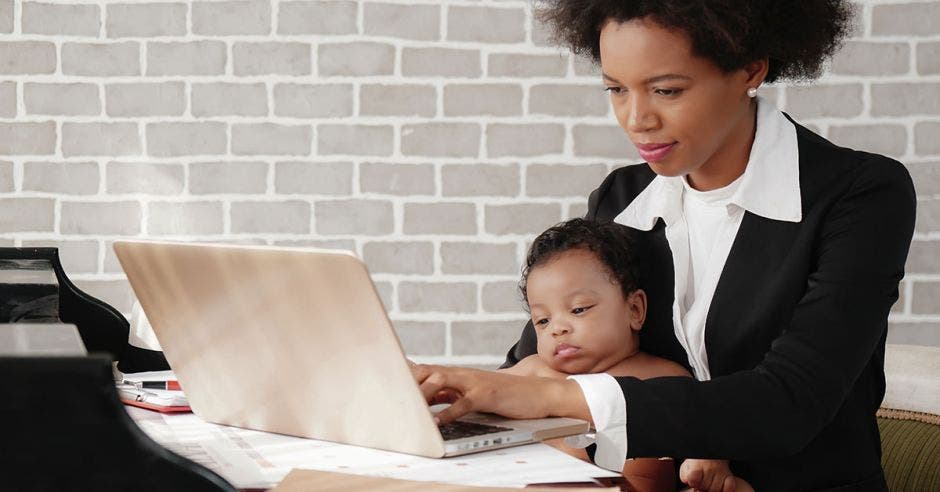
x: 564, y: 351
x: 654, y: 152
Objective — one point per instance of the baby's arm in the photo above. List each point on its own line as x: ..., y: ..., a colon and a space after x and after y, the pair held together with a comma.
x: 711, y: 475
x: 533, y: 365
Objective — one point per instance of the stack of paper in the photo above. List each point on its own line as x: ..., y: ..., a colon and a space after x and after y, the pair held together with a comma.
x: 143, y: 390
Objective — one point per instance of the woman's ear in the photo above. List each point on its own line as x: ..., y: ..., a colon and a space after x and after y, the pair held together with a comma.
x: 756, y: 72
x: 636, y: 309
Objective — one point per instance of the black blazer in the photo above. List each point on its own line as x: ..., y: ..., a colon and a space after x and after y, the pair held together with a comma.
x: 795, y: 333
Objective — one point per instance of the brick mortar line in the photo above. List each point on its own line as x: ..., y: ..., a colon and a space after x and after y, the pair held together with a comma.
x: 922, y: 277
x: 866, y: 14
x: 397, y: 2
x: 275, y: 15
x: 416, y: 198
x: 448, y: 341
x: 443, y: 24
x: 825, y: 80
x: 524, y: 163
x: 188, y: 197
x: 274, y: 236
x: 908, y: 286
x: 57, y: 217
x: 483, y: 122
x: 391, y: 121
x: 314, y: 38
x: 398, y: 216
x: 915, y: 319
x: 189, y: 16
x: 485, y: 49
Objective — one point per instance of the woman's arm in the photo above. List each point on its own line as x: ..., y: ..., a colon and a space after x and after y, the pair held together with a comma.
x: 521, y: 397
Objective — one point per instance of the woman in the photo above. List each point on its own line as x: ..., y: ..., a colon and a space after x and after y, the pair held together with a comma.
x: 774, y: 255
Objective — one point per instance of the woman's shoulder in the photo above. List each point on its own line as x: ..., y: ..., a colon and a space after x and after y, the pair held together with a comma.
x: 618, y: 189
x: 818, y: 152
x: 830, y: 169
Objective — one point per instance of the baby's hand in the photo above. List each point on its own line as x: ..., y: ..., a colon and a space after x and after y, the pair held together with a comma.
x: 533, y: 365
x: 707, y: 475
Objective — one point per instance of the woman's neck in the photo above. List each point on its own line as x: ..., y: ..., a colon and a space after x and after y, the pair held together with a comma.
x: 729, y: 161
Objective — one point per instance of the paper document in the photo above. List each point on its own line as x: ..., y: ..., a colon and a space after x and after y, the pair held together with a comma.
x: 158, y: 397
x: 255, y: 459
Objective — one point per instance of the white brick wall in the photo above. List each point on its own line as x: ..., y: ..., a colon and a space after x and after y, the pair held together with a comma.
x: 433, y: 138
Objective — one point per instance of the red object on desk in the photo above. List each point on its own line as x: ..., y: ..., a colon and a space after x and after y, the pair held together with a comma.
x: 169, y: 385
x: 158, y: 408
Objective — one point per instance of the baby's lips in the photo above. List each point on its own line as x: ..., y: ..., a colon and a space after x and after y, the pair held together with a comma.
x: 565, y: 350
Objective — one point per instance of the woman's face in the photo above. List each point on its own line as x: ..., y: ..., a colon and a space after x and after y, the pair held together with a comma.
x: 684, y: 114
x: 583, y: 322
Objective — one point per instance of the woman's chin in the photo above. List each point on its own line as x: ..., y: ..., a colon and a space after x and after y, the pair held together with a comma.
x: 668, y: 169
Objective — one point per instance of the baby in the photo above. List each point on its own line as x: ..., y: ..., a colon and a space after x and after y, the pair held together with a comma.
x: 580, y: 285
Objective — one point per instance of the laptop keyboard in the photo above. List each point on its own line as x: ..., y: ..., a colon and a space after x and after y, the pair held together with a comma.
x: 459, y: 430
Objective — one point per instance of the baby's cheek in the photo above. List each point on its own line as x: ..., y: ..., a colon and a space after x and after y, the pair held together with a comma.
x: 548, y: 360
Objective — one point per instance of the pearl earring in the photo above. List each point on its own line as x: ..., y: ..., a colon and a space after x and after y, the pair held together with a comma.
x: 752, y: 92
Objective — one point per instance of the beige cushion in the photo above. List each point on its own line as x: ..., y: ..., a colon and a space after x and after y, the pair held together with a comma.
x: 912, y: 376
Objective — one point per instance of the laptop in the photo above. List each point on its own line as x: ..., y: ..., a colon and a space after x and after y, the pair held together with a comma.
x: 296, y: 341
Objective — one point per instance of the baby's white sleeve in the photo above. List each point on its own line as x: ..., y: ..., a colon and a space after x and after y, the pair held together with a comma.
x: 608, y: 408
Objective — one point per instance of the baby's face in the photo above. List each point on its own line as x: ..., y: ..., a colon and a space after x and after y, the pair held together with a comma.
x: 583, y: 321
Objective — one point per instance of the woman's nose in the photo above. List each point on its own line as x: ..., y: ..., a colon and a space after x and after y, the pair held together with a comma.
x: 638, y: 116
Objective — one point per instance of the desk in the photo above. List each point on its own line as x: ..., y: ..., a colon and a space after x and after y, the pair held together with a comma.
x: 259, y: 460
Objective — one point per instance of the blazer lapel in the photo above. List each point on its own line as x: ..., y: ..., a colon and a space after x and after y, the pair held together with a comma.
x: 737, y: 316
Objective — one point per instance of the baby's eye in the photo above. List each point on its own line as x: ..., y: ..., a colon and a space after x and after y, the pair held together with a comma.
x: 542, y: 322
x: 579, y: 310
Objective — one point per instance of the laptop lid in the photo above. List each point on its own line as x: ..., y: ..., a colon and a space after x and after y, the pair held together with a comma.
x: 283, y: 340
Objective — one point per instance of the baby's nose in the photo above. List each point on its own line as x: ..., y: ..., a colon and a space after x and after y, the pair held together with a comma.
x: 560, y: 329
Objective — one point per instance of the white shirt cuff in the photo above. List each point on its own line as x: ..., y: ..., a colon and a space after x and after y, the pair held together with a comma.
x: 608, y: 408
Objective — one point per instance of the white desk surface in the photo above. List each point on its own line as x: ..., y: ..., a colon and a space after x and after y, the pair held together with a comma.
x: 254, y: 459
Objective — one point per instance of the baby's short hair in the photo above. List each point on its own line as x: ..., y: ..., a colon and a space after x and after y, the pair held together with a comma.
x: 613, y: 244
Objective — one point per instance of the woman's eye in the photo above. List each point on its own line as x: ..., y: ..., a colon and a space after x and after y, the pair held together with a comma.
x: 668, y: 92
x: 615, y: 90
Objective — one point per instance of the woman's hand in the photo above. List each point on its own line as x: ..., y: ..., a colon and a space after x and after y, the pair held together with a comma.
x: 707, y: 475
x: 472, y: 390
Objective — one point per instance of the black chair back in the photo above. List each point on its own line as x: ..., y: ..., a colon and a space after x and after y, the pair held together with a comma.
x: 35, y: 289
x: 64, y: 428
